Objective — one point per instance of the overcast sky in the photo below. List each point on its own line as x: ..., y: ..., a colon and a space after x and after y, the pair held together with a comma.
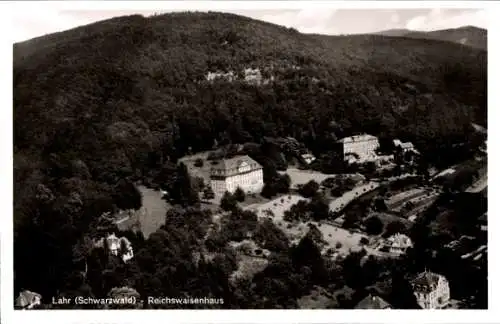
x: 49, y: 19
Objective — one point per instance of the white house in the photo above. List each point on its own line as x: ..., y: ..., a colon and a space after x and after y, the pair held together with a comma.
x: 399, y: 243
x: 363, y: 146
x: 239, y: 171
x: 28, y: 299
x: 431, y: 290
x: 120, y: 247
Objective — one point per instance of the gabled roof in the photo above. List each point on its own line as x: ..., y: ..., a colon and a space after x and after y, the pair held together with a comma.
x: 27, y: 298
x: 229, y: 167
x: 406, y: 145
x: 400, y: 240
x: 426, y: 279
x: 372, y: 302
x: 357, y: 138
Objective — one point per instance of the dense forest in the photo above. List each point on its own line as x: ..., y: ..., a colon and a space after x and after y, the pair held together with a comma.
x: 101, y: 107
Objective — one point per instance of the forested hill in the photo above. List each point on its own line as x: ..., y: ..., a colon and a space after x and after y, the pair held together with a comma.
x: 101, y: 106
x: 121, y: 95
x: 468, y: 35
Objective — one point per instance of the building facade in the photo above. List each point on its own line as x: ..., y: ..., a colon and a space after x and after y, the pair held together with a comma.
x: 399, y: 243
x: 239, y: 171
x: 431, y: 290
x: 362, y: 146
x: 120, y: 247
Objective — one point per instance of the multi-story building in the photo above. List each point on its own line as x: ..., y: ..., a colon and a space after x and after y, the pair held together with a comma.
x: 239, y: 171
x: 399, y: 243
x: 361, y: 146
x: 431, y: 290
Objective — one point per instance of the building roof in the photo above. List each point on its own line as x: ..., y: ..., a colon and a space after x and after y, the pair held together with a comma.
x: 357, y: 138
x: 372, y: 302
x: 403, y: 145
x: 27, y: 298
x: 406, y: 146
x: 400, y: 240
x: 230, y: 167
x: 112, y: 239
x: 426, y: 280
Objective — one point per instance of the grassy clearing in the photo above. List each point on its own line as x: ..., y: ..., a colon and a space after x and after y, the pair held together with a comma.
x: 155, y: 210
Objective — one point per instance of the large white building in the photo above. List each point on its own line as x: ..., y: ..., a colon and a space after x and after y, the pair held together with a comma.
x: 361, y: 146
x: 431, y: 290
x: 239, y: 171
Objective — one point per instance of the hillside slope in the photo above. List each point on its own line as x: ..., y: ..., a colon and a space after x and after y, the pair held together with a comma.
x: 393, y: 32
x: 103, y: 105
x: 119, y: 93
x: 467, y: 35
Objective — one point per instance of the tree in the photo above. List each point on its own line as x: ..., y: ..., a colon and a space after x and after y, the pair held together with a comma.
x: 319, y: 207
x: 127, y: 196
x: 329, y: 182
x: 239, y: 194
x: 374, y: 225
x: 298, y: 212
x: 208, y: 193
x: 270, y: 237
x: 228, y: 202
x: 309, y: 189
x: 395, y: 227
x: 352, y: 217
x: 308, y: 254
x: 269, y: 191
x: 370, y: 167
x: 182, y: 191
x: 283, y: 183
x: 198, y: 163
x: 379, y: 204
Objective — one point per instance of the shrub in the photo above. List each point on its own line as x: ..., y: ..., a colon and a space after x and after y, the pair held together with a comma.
x: 374, y: 225
x: 309, y: 189
x: 198, y: 163
x: 239, y: 195
x: 228, y: 202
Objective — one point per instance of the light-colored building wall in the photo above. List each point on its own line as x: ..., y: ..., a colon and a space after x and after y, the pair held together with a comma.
x: 362, y: 145
x: 363, y: 148
x: 250, y: 182
x: 436, y: 298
